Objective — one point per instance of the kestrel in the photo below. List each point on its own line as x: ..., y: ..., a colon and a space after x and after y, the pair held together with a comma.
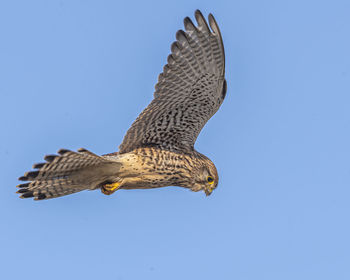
x: 158, y: 149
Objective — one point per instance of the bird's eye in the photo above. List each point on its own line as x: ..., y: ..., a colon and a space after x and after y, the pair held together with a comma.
x: 210, y: 179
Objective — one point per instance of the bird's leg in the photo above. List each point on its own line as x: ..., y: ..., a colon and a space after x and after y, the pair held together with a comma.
x: 108, y: 189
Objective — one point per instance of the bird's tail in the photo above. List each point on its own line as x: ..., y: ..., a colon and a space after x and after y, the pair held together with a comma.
x: 67, y: 173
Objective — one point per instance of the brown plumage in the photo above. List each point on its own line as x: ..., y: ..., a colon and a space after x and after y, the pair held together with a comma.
x: 158, y: 149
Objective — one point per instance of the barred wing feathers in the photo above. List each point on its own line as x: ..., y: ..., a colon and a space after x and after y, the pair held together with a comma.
x: 188, y: 93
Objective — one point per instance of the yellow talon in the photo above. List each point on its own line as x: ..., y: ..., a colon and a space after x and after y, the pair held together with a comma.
x: 108, y: 189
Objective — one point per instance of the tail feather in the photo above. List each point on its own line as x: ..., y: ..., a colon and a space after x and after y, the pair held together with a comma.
x: 67, y: 173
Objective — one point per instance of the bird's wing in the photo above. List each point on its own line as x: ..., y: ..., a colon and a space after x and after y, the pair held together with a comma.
x: 188, y: 93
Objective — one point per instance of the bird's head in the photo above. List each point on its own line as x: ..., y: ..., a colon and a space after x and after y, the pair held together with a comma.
x: 205, y: 177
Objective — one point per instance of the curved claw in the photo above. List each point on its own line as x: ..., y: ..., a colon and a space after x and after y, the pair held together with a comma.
x: 108, y: 189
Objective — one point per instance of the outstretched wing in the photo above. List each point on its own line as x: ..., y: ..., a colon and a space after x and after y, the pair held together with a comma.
x: 188, y: 93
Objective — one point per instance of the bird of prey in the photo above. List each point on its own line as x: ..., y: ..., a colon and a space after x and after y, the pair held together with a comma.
x: 158, y: 149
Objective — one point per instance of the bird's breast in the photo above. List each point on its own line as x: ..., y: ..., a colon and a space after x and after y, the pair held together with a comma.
x: 154, y: 167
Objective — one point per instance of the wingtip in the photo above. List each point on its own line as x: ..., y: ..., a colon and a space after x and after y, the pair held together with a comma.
x: 213, y: 24
x: 189, y: 25
x: 201, y: 20
x: 181, y: 38
x: 197, y: 12
x: 175, y: 49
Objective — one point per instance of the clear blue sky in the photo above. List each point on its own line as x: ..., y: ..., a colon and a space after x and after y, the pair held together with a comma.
x: 77, y: 73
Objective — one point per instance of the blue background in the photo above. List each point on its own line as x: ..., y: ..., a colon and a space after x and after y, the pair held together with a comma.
x: 77, y: 73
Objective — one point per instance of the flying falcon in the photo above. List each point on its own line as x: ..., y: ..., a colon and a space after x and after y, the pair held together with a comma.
x: 158, y: 149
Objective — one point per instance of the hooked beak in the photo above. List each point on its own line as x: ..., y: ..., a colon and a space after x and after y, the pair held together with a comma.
x: 208, y: 191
